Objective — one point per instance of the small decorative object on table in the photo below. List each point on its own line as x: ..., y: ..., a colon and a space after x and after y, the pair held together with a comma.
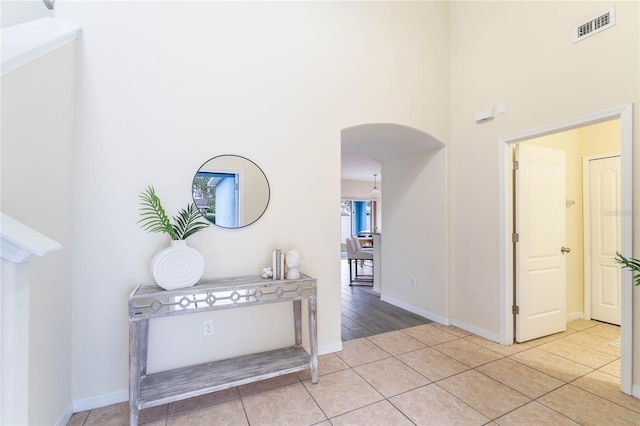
x: 293, y: 260
x: 267, y: 272
x: 177, y: 266
x: 278, y: 265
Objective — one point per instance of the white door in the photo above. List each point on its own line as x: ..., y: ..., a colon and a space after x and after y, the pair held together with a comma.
x: 540, y: 291
x: 604, y: 228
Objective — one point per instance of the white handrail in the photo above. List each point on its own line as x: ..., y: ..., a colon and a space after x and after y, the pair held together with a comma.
x: 27, y: 42
x: 20, y: 242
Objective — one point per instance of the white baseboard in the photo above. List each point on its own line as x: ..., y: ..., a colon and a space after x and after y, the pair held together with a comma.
x: 330, y: 348
x: 65, y: 416
x: 100, y: 401
x: 477, y: 331
x: 635, y: 390
x: 442, y: 320
x: 413, y: 309
x: 575, y: 316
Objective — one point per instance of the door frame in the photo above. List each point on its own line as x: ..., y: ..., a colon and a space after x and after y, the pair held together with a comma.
x: 505, y: 215
x: 586, y: 226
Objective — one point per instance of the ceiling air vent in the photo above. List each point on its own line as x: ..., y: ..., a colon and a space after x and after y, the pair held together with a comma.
x: 594, y: 25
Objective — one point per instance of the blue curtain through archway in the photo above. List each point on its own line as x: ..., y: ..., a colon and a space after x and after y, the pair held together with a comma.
x: 359, y: 217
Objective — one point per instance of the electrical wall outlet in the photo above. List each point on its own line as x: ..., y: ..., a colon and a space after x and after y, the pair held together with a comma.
x: 413, y: 281
x: 207, y: 328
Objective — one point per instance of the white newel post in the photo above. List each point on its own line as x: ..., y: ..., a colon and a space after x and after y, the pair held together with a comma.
x: 19, y: 244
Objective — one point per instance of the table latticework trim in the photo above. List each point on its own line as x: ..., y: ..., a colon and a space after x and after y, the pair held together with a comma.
x: 149, y: 301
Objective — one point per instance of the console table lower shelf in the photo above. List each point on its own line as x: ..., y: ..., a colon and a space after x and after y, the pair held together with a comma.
x: 187, y: 382
x: 149, y: 301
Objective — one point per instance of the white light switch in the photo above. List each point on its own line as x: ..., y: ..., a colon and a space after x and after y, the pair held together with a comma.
x: 502, y: 107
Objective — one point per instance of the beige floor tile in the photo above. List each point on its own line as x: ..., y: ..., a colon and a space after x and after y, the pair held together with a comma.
x: 341, y: 392
x: 78, y: 419
x: 327, y: 364
x: 112, y: 415
x: 520, y: 377
x: 594, y: 341
x: 361, y: 351
x: 380, y: 413
x: 286, y: 405
x: 534, y: 414
x: 203, y: 401
x: 432, y: 364
x: 230, y: 413
x: 432, y: 405
x: 607, y: 331
x: 582, y: 324
x: 400, y: 365
x: 504, y: 350
x: 467, y: 352
x: 451, y: 329
x: 151, y: 414
x: 490, y: 398
x: 266, y: 385
x: 578, y: 353
x: 588, y: 409
x: 553, y: 365
x: 551, y: 337
x: 396, y: 342
x: 612, y: 368
x: 429, y: 334
x: 608, y: 387
x: 391, y: 377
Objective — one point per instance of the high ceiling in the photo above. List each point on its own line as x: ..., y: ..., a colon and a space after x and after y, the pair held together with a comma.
x: 359, y: 167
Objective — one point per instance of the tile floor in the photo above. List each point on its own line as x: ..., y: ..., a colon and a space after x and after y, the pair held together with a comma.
x: 427, y: 374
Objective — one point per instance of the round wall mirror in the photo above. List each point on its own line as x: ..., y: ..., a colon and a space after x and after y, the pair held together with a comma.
x: 231, y: 191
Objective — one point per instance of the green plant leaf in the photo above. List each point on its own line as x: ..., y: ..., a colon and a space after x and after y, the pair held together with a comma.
x: 187, y: 223
x: 153, y: 216
x: 631, y: 264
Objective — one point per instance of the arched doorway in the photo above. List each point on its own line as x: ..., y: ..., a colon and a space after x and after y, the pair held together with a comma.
x: 413, y: 209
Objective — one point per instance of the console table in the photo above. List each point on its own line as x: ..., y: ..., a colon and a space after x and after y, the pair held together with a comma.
x: 151, y: 301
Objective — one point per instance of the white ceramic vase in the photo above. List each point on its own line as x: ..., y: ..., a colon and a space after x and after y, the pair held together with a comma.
x: 177, y: 266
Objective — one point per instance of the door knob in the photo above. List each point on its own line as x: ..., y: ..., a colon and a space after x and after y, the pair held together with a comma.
x: 565, y: 249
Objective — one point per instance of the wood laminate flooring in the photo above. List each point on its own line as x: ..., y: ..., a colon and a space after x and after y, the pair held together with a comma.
x: 364, y: 314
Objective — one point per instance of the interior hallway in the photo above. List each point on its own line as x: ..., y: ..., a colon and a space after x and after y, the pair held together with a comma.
x: 364, y: 314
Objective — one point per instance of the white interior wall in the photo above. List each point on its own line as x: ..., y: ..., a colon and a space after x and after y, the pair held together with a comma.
x: 36, y: 179
x: 544, y: 78
x: 414, y: 238
x: 229, y: 78
x: 21, y: 11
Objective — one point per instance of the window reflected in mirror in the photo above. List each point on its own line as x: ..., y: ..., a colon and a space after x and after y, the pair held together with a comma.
x: 231, y: 191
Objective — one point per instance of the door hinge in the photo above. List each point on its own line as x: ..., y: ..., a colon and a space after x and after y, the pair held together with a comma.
x: 515, y: 309
x: 515, y: 237
x: 516, y: 164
